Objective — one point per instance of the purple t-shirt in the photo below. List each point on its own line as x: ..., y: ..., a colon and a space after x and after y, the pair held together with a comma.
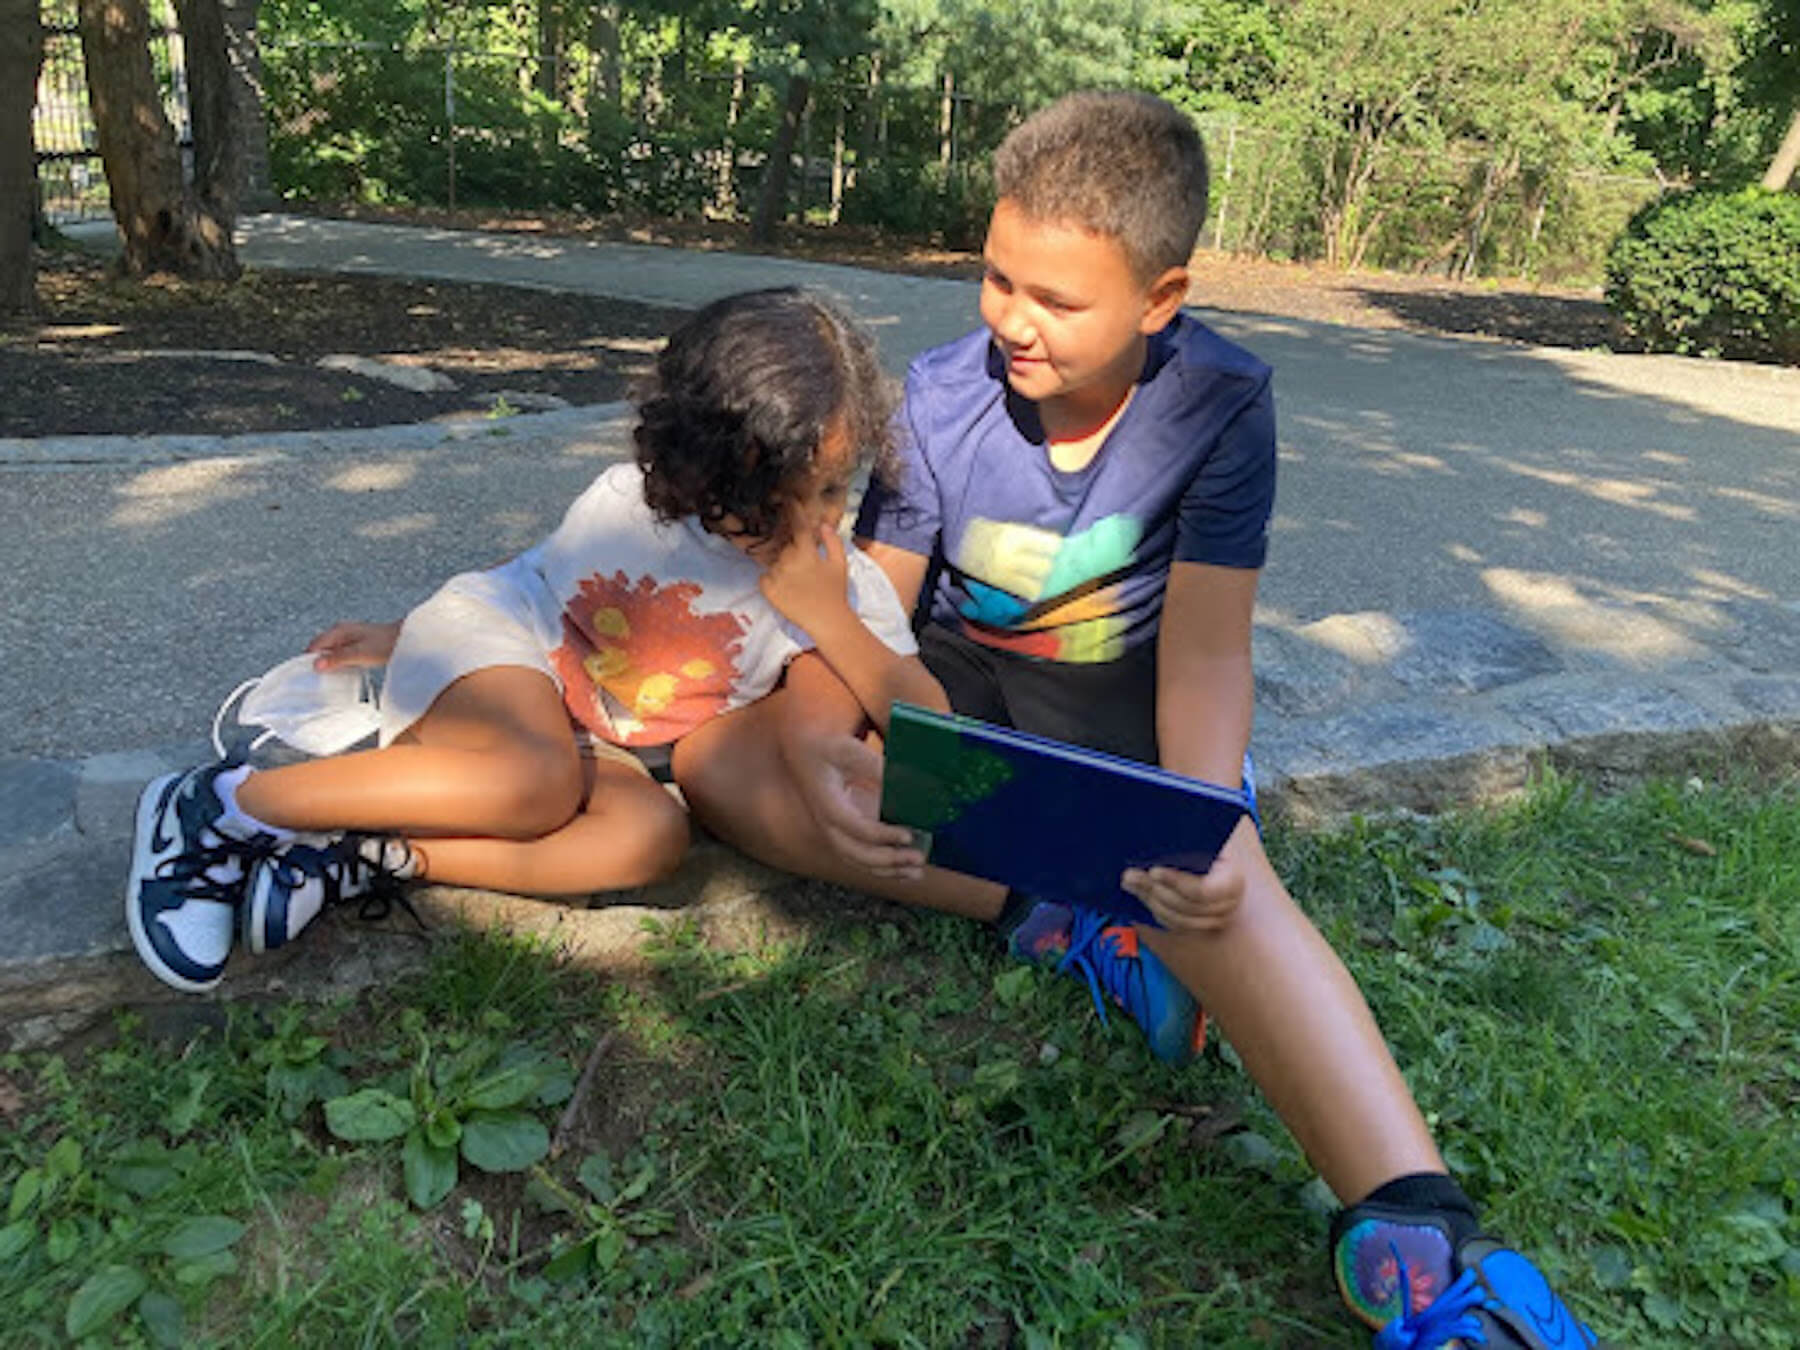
x: 1072, y: 566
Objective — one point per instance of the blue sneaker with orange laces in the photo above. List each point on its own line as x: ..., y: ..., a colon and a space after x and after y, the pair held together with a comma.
x: 1115, y: 964
x: 1403, y: 1273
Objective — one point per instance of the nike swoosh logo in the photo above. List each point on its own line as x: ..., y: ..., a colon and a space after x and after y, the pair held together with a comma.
x: 159, y: 842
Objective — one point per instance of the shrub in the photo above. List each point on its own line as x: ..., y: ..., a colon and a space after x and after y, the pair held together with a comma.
x: 1709, y: 272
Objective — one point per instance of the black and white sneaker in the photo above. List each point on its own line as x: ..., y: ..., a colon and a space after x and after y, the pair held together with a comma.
x: 288, y: 889
x: 187, y: 879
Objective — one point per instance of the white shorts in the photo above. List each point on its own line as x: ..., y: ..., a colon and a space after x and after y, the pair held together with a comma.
x: 475, y: 621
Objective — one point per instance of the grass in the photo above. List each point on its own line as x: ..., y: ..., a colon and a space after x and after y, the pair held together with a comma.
x: 887, y: 1135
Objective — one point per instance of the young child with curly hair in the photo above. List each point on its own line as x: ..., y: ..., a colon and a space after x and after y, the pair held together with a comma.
x: 677, y: 588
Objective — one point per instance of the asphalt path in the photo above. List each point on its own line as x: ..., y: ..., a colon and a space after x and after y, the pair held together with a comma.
x: 1637, y: 513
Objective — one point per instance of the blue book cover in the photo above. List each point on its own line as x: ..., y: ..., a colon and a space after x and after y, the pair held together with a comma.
x: 1057, y: 821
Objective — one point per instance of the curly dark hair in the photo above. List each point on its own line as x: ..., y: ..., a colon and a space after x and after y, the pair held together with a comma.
x: 731, y: 421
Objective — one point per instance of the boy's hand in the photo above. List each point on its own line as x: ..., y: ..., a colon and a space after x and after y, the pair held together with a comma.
x: 1189, y: 902
x: 839, y: 778
x: 346, y: 645
x: 809, y: 580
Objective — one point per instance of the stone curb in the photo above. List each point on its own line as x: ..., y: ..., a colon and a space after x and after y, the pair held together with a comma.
x: 68, y: 842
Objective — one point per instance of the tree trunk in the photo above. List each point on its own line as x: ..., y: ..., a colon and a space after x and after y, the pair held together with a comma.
x: 21, y: 57
x: 256, y: 189
x: 550, y: 51
x: 163, y: 224
x: 606, y: 84
x: 771, y: 197
x: 1787, y: 159
x: 213, y: 109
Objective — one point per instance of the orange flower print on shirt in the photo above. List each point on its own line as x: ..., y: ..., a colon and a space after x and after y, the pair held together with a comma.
x: 638, y: 666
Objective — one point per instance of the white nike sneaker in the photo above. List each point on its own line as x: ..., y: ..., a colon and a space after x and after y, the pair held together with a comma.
x: 187, y: 879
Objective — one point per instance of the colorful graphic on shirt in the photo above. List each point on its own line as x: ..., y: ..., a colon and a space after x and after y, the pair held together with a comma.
x: 638, y: 666
x: 1011, y: 570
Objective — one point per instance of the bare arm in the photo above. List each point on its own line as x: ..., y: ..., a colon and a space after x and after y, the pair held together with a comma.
x: 1205, y: 691
x: 837, y: 774
x: 1205, y: 696
x: 809, y: 584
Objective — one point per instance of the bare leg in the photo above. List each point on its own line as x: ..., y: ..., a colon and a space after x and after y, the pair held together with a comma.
x: 629, y: 832
x: 493, y: 755
x: 1293, y: 1013
x: 737, y: 785
x: 492, y: 786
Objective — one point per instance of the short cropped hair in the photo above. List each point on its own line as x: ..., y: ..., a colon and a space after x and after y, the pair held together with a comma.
x: 730, y: 423
x: 1124, y: 165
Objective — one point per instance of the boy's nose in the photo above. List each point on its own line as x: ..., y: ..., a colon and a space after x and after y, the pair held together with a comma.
x: 1012, y: 326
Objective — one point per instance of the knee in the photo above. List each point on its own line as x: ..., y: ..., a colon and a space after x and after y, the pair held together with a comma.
x: 664, y: 835
x: 702, y: 782
x: 536, y: 791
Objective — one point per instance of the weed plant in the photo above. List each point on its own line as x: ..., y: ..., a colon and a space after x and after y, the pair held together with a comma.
x: 887, y: 1135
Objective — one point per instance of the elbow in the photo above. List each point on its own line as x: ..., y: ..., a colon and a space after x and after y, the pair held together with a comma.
x: 917, y: 685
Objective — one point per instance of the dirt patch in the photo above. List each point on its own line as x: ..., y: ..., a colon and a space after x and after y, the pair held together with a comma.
x: 108, y: 356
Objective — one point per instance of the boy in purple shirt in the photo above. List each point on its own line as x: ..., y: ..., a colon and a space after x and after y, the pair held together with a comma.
x: 1080, y: 519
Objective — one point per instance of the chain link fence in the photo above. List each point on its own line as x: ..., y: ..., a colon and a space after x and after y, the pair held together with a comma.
x: 71, y: 180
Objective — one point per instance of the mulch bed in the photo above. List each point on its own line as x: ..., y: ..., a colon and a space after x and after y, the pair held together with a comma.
x: 110, y: 356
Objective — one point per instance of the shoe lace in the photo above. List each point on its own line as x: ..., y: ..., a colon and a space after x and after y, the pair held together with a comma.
x: 193, y: 872
x: 1095, y: 951
x: 1448, y: 1317
x: 345, y: 862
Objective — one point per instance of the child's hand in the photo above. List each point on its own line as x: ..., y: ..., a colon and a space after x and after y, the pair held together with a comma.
x: 346, y: 645
x: 839, y: 778
x: 809, y: 580
x: 1189, y: 902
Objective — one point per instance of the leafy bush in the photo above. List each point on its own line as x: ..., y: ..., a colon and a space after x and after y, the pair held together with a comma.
x: 1711, y: 272
x: 925, y: 200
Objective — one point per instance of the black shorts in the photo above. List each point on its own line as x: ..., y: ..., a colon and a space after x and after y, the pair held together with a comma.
x: 1106, y: 705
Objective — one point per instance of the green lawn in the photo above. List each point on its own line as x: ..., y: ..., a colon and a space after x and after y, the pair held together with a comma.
x: 890, y: 1136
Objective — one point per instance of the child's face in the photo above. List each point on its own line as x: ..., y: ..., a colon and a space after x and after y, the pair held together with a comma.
x: 1066, y: 309
x: 818, y: 503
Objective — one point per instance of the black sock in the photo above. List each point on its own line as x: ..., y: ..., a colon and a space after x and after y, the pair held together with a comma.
x: 1016, y: 907
x: 1434, y: 1191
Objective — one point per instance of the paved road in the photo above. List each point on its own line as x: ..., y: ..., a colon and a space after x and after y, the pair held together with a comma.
x: 1481, y: 549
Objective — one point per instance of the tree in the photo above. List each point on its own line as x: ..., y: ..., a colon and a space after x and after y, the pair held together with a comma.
x: 803, y: 41
x: 21, y: 57
x: 1787, y: 158
x: 1776, y: 73
x: 167, y: 225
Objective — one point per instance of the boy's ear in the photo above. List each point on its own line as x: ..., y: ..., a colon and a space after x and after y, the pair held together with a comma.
x: 1165, y: 296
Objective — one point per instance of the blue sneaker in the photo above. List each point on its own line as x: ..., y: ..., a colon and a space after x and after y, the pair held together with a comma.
x: 1112, y: 961
x: 1400, y: 1272
x: 287, y: 890
x: 187, y: 879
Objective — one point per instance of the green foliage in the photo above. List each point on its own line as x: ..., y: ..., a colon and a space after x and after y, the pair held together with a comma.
x: 888, y: 1134
x: 1505, y: 137
x: 1712, y: 273
x: 472, y: 1096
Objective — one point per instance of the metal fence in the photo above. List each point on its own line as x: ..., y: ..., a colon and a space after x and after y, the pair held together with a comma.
x: 448, y: 124
x: 71, y: 181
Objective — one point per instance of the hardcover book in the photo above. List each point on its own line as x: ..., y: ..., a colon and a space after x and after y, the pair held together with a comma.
x: 1056, y: 821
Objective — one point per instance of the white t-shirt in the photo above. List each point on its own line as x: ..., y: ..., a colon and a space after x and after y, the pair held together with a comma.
x: 649, y: 629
